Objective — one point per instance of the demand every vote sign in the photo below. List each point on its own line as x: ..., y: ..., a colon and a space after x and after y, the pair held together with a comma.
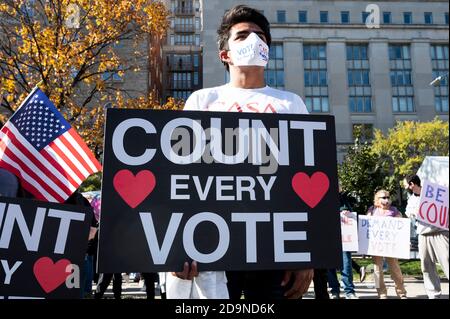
x: 232, y: 191
x: 384, y: 236
x: 42, y: 249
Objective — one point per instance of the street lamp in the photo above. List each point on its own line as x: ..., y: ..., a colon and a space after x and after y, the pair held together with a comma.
x: 437, y: 81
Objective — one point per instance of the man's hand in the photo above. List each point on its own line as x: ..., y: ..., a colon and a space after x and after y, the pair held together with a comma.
x: 187, y: 274
x: 302, y: 280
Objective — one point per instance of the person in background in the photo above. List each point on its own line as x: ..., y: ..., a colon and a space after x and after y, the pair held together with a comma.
x: 346, y: 271
x: 9, y: 184
x: 320, y: 284
x: 382, y: 208
x: 433, y: 242
x: 103, y: 282
x: 87, y: 270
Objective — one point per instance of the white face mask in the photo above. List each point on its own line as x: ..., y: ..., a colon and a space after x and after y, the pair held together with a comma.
x: 251, y: 51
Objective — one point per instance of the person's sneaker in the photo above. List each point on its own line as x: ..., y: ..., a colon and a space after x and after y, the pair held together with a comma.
x: 351, y: 296
x: 403, y: 297
x: 383, y: 297
x: 335, y: 296
x: 362, y: 273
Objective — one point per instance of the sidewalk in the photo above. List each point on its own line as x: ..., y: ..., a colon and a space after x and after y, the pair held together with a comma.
x: 413, y: 285
x: 365, y: 290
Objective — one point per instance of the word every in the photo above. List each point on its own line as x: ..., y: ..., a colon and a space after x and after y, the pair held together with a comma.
x: 225, y: 186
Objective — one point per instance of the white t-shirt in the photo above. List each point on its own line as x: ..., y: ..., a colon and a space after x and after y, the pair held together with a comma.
x: 230, y: 99
x: 213, y: 284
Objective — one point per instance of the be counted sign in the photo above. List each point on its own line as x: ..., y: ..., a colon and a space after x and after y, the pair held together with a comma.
x: 232, y: 191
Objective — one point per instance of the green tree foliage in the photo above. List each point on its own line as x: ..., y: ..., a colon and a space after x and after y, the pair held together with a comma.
x: 92, y: 183
x: 359, y: 175
x: 71, y: 47
x: 402, y: 150
x: 383, y: 163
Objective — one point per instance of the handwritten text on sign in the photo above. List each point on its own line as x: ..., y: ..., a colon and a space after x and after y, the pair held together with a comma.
x: 433, y: 209
x: 349, y: 230
x: 384, y: 236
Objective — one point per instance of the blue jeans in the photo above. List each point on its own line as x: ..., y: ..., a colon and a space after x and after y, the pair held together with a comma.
x: 347, y: 273
x: 346, y: 276
x: 87, y: 276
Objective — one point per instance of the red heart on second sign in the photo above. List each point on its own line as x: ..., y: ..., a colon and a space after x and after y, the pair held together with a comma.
x: 51, y: 275
x: 311, y: 189
x: 134, y: 189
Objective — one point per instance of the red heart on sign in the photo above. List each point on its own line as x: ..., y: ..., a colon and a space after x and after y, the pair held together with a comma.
x: 134, y: 189
x: 311, y: 190
x: 50, y: 275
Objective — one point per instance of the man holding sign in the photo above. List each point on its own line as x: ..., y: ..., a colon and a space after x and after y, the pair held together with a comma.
x: 433, y: 241
x: 244, y: 41
x: 251, y: 193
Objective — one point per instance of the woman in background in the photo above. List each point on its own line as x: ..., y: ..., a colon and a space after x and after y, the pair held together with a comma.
x: 382, y: 208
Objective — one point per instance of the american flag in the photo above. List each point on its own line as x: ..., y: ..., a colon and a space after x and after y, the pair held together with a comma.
x: 41, y: 148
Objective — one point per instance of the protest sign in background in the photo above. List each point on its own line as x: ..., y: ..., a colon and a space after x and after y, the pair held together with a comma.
x: 349, y: 231
x: 384, y: 236
x: 433, y: 208
x: 42, y: 248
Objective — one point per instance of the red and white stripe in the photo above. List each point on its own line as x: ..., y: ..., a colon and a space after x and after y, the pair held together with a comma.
x: 55, y: 172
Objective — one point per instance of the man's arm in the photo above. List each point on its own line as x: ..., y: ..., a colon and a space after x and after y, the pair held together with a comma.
x: 301, y: 281
x: 411, y: 207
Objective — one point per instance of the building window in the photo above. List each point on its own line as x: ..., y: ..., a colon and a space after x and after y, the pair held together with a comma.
x: 274, y: 73
x: 182, y: 95
x: 363, y: 131
x: 316, y: 82
x: 358, y: 73
x: 387, y: 18
x: 323, y: 16
x: 197, y: 24
x: 182, y: 39
x: 180, y: 62
x: 196, y: 79
x: 303, y: 17
x: 439, y: 60
x: 345, y: 17
x: 365, y: 15
x: 428, y: 17
x: 184, y: 24
x: 281, y: 16
x: 401, y: 81
x: 196, y: 61
x: 181, y: 81
x: 446, y: 18
x: 407, y: 17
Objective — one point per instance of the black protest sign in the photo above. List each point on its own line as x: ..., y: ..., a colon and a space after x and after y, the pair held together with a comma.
x: 42, y: 248
x: 232, y: 191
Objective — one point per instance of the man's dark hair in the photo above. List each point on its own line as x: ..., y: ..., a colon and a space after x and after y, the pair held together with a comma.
x: 413, y: 179
x: 238, y: 14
